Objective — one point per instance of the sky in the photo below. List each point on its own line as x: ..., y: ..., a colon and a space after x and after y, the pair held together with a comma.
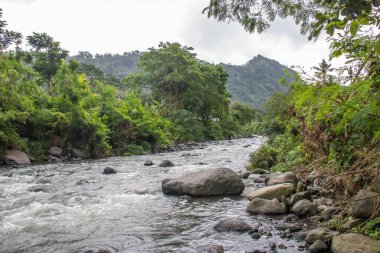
x: 117, y: 26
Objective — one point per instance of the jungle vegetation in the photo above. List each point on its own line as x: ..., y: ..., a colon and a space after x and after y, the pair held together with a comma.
x: 47, y: 100
x: 329, y: 121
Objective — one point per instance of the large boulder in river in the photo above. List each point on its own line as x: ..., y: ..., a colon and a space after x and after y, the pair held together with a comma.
x: 271, y: 192
x: 366, y: 204
x: 288, y: 177
x: 213, y: 182
x: 15, y: 157
x: 264, y: 206
x: 232, y: 224
x: 353, y: 243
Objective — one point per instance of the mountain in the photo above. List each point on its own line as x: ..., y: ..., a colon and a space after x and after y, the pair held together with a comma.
x: 117, y: 65
x: 252, y: 83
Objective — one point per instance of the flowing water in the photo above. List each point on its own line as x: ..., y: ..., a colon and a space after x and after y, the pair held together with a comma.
x: 73, y: 207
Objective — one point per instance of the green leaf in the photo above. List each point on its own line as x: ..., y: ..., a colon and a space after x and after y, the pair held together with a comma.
x: 354, y: 27
x: 363, y: 19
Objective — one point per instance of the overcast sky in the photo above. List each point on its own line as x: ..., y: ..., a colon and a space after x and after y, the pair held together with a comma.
x: 117, y: 26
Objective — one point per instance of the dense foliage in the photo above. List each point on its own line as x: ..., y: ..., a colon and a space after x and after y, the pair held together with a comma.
x: 329, y: 121
x: 47, y: 100
x: 190, y: 92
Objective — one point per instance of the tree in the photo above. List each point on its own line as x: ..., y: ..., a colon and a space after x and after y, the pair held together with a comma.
x: 7, y: 37
x: 312, y: 16
x: 47, y: 56
x: 322, y: 74
x: 190, y: 92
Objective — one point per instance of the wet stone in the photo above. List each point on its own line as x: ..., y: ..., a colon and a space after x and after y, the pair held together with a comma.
x: 148, y: 163
x: 255, y: 235
x: 166, y: 163
x: 232, y: 224
x: 109, y: 170
x: 272, y: 245
x: 214, y: 248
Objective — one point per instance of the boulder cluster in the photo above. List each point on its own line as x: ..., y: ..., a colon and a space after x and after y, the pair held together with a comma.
x: 284, y: 194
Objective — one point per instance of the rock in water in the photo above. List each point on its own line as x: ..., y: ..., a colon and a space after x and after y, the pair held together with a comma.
x: 244, y: 174
x: 109, y: 170
x: 148, y: 163
x: 166, y: 163
x: 271, y: 192
x: 366, y: 204
x: 288, y: 177
x: 352, y: 243
x: 214, y: 248
x: 15, y: 157
x: 213, y: 182
x: 264, y: 206
x: 232, y: 224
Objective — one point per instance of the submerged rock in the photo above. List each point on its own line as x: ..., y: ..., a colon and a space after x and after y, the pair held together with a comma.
x: 109, y: 170
x: 354, y: 243
x: 38, y: 188
x: 166, y: 163
x: 232, y: 224
x: 271, y: 192
x: 148, y: 163
x: 214, y: 248
x: 213, y: 182
x: 15, y: 157
x: 288, y: 177
x: 264, y: 206
x: 366, y: 204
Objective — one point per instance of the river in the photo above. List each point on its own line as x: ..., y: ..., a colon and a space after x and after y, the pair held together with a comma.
x: 73, y: 207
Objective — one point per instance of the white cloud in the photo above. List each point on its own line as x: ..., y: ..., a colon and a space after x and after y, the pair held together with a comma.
x: 116, y: 26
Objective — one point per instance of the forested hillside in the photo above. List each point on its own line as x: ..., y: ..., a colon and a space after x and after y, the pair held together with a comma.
x: 117, y: 65
x: 254, y: 82
x: 251, y: 84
